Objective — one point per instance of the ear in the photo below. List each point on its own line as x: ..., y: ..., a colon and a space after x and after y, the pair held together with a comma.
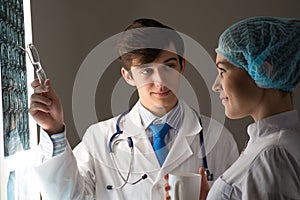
x: 183, y: 65
x: 268, y: 69
x: 127, y: 76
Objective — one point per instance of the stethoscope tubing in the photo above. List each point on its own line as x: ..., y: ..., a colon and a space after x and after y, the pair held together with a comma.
x: 113, y: 139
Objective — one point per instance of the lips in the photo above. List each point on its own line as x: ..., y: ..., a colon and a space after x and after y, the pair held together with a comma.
x: 224, y: 99
x: 162, y: 93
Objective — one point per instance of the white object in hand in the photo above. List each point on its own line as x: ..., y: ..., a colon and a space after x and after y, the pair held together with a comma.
x: 184, y: 186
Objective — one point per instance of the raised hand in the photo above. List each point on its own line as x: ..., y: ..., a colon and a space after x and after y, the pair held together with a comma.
x: 46, y: 107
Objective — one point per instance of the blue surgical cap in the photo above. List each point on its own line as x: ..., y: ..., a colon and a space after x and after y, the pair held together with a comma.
x: 268, y: 48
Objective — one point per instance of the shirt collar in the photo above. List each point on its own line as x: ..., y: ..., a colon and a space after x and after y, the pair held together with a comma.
x: 173, y: 117
x: 266, y: 126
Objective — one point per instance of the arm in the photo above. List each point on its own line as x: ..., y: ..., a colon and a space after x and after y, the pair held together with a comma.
x: 275, y: 174
x: 46, y: 109
x: 58, y: 176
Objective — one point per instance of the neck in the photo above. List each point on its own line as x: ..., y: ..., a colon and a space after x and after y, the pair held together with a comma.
x: 159, y: 110
x: 274, y: 102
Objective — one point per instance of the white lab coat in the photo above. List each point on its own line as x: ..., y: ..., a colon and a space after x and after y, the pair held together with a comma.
x: 269, y: 168
x: 85, y: 172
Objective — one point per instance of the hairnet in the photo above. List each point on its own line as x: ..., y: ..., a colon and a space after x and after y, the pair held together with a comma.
x: 268, y: 48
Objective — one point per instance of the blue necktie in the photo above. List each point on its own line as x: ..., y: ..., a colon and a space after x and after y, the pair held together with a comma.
x: 159, y: 132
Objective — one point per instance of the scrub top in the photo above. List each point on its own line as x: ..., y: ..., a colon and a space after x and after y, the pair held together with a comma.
x: 269, y: 167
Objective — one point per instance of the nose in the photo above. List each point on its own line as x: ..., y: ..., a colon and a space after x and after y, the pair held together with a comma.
x: 159, y: 78
x: 217, y: 86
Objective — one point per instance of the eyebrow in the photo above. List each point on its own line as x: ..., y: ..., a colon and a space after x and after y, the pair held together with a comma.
x: 149, y: 64
x: 170, y: 59
x: 220, y: 62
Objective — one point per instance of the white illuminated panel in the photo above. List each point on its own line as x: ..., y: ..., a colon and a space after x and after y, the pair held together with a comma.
x: 18, y: 139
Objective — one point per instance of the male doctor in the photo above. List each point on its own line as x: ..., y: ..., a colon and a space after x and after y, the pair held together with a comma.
x: 130, y: 163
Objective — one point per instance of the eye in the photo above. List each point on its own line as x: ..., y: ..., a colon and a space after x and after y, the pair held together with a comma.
x: 169, y: 66
x: 146, y: 71
x: 221, y: 71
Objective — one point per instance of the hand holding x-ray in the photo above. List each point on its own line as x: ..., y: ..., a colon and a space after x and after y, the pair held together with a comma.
x: 45, y: 104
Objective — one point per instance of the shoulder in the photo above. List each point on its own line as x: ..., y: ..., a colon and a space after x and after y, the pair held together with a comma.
x: 100, y: 130
x: 102, y: 125
x: 274, y: 171
x: 275, y: 158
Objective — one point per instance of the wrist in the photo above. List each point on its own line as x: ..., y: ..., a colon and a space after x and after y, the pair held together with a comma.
x: 55, y: 130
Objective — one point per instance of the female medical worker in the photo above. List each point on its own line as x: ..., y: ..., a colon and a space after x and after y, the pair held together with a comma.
x: 258, y: 60
x: 115, y: 159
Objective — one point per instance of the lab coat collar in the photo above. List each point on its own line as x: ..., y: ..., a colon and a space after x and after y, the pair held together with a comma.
x: 149, y: 118
x: 179, y: 152
x: 285, y: 120
x: 132, y: 123
x: 190, y: 122
x: 181, y: 149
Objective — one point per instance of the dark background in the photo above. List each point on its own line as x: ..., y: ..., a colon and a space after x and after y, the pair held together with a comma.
x: 66, y: 31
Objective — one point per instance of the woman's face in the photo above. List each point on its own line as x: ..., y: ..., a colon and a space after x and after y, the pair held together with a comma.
x: 239, y: 93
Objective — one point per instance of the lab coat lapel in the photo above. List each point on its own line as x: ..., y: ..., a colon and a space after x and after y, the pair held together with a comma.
x: 144, y: 154
x: 181, y: 149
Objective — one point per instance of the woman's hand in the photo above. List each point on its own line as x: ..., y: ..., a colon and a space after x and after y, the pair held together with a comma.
x: 204, y: 184
x: 46, y: 108
x: 203, y: 190
x: 166, y: 188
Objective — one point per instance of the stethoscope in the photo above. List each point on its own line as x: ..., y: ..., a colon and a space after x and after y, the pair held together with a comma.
x: 114, y: 140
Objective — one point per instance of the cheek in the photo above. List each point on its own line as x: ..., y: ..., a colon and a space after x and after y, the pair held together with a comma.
x: 173, y: 83
x: 173, y: 80
x: 242, y: 91
x: 142, y: 90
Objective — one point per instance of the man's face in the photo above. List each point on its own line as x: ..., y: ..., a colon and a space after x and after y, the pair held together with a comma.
x: 157, y: 82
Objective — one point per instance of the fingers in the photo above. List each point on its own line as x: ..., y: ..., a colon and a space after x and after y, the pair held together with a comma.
x: 166, y: 185
x: 204, y: 184
x: 166, y: 177
x: 50, y: 90
x: 38, y: 88
x: 202, y: 172
x: 47, y: 84
x: 35, y: 107
x: 35, y: 83
x: 167, y: 188
x: 167, y: 196
x: 46, y: 108
x: 39, y: 103
x: 35, y: 98
x: 44, y: 89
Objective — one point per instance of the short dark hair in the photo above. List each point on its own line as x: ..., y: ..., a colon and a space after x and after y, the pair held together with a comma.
x: 139, y: 34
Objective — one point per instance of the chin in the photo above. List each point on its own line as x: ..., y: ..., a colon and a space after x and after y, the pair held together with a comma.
x: 234, y: 115
x: 164, y: 105
x: 167, y: 105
